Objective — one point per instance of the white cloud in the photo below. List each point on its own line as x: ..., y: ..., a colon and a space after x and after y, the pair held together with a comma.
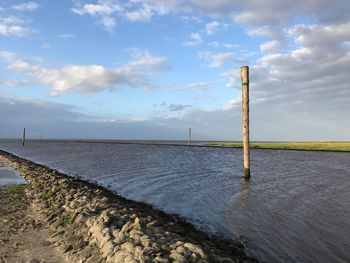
x: 216, y: 60
x: 325, y: 37
x: 217, y: 44
x: 233, y: 78
x: 232, y: 104
x: 219, y: 59
x: 13, y: 82
x: 198, y: 86
x: 279, y: 36
x: 195, y: 40
x: 107, y: 11
x: 26, y: 6
x: 212, y: 27
x: 271, y: 46
x: 195, y: 86
x: 65, y: 36
x: 87, y: 78
x: 144, y: 59
x: 103, y: 10
x: 7, y: 56
x: 311, y: 79
x: 251, y: 13
x: 20, y: 65
x: 272, y: 12
x: 144, y: 14
x: 12, y: 26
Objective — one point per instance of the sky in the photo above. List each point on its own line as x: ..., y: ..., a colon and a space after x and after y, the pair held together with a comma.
x: 150, y: 69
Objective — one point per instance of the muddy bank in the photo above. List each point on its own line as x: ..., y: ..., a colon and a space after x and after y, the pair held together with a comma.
x: 91, y: 224
x: 24, y: 236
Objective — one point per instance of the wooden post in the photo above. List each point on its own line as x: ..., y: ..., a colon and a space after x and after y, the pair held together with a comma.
x: 189, y: 136
x: 245, y: 120
x: 24, y: 136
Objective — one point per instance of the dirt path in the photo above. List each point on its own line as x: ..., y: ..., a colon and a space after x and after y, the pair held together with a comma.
x: 24, y: 237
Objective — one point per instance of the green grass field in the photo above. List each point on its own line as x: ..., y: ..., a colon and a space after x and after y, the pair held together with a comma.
x: 305, y: 146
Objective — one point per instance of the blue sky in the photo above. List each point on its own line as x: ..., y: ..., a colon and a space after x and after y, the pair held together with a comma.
x: 149, y: 69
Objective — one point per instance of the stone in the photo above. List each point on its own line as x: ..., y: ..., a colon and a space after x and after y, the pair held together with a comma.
x: 162, y: 260
x: 177, y: 256
x: 122, y: 256
x: 196, y: 249
x: 66, y: 248
x: 128, y: 247
x: 58, y: 223
x: 76, y: 242
x: 107, y: 249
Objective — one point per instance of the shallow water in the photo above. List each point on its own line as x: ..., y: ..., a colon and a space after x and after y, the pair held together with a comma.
x: 296, y: 208
x: 10, y: 176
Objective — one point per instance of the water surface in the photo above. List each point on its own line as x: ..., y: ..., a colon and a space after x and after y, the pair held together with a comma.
x: 296, y: 208
x: 10, y: 176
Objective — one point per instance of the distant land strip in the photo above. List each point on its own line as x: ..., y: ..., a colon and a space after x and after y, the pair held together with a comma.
x: 330, y: 146
x: 300, y: 146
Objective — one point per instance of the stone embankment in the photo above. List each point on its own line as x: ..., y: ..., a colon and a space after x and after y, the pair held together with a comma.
x: 91, y: 224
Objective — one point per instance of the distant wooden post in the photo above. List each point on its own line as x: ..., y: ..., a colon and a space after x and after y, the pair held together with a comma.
x: 245, y: 120
x: 189, y: 136
x: 24, y: 136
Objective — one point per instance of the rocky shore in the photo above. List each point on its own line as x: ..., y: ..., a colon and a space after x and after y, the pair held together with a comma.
x: 90, y: 224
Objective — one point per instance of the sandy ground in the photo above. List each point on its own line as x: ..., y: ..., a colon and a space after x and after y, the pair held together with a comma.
x: 24, y: 237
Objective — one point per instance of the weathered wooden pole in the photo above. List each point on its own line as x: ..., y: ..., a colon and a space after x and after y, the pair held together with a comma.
x: 245, y: 120
x: 24, y: 136
x: 189, y: 136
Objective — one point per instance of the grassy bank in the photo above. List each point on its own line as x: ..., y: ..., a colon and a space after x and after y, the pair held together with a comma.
x: 305, y: 146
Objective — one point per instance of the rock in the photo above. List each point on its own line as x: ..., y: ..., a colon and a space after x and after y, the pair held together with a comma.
x: 76, y: 242
x: 122, y: 256
x: 58, y: 223
x: 177, y: 256
x: 128, y: 247
x: 122, y: 235
x: 105, y: 216
x: 160, y: 259
x: 65, y: 248
x: 196, y: 249
x: 164, y: 247
x: 107, y: 249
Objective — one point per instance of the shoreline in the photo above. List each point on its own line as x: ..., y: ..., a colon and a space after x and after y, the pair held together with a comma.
x: 322, y: 146
x: 92, y: 223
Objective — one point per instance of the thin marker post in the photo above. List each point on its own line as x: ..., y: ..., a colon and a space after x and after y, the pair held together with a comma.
x: 24, y: 136
x: 189, y: 136
x: 245, y: 120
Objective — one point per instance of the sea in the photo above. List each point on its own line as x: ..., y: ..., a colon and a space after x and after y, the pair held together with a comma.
x: 295, y: 208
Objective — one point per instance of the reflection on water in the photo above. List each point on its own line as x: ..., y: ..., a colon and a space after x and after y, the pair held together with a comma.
x: 10, y: 176
x: 296, y: 207
x: 238, y: 199
x: 245, y: 194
